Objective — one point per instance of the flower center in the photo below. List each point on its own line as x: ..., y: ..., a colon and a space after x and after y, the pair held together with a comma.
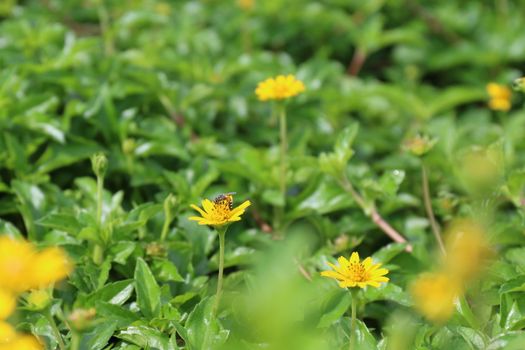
x: 222, y: 210
x: 357, y: 272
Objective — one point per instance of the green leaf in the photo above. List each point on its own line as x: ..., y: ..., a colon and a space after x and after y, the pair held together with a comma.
x: 147, y: 289
x: 202, y: 327
x: 98, y: 338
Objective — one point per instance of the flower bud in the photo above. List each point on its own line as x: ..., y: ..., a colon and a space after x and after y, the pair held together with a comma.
x: 38, y: 300
x: 81, y: 319
x: 99, y: 163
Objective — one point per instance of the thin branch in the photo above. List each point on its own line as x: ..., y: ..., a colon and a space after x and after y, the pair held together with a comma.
x: 374, y: 214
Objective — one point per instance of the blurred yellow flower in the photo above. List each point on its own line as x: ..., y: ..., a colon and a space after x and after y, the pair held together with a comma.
x: 246, y: 4
x: 353, y: 273
x: 220, y: 211
x: 7, y: 332
x: 467, y: 249
x: 16, y: 258
x: 279, y: 88
x: 7, y: 304
x: 23, y: 268
x: 49, y: 266
x: 434, y: 295
x: 21, y: 342
x: 499, y: 97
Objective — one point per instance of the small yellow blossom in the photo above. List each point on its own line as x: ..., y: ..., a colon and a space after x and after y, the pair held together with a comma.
x: 38, y: 299
x: 220, y: 211
x: 279, y: 88
x: 467, y: 249
x: 7, y: 304
x: 434, y: 295
x: 353, y: 273
x: 499, y: 97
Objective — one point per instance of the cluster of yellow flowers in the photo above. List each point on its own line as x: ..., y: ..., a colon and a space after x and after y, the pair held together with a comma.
x: 23, y: 268
x: 499, y: 97
x: 467, y: 251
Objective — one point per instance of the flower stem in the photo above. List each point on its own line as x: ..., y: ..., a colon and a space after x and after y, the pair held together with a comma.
x: 75, y: 341
x: 222, y: 234
x: 54, y: 328
x: 428, y: 208
x: 98, y: 249
x: 282, y: 167
x: 353, y: 330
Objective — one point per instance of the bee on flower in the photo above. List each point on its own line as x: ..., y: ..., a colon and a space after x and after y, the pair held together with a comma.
x: 279, y: 88
x: 220, y: 211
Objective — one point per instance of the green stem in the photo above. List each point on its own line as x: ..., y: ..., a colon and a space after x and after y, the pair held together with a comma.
x: 54, y: 328
x: 282, y: 168
x: 166, y: 226
x: 104, y: 20
x: 430, y: 212
x: 353, y: 331
x: 75, y: 341
x: 222, y: 235
x: 98, y: 249
x: 284, y: 146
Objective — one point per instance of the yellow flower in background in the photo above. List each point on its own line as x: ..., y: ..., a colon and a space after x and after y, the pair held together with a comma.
x: 23, y: 268
x: 16, y: 259
x: 49, y: 266
x: 22, y: 342
x: 467, y: 249
x: 353, y: 273
x: 7, y: 332
x: 279, y: 88
x: 7, y: 304
x: 246, y: 5
x: 499, y: 97
x: 220, y: 211
x: 434, y: 295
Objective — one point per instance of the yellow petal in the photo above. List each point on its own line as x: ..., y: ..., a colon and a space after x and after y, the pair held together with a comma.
x: 332, y: 274
x: 208, y: 205
x: 241, y: 207
x: 343, y: 262
x: 198, y: 209
x: 354, y: 258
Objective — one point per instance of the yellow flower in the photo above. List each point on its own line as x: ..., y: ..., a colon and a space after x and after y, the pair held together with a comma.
x: 22, y: 342
x: 23, y: 268
x: 246, y: 5
x: 353, y: 273
x: 16, y: 259
x: 467, y: 249
x: 7, y: 332
x: 499, y: 97
x: 434, y: 295
x: 7, y: 304
x: 219, y: 211
x: 49, y: 266
x: 279, y: 88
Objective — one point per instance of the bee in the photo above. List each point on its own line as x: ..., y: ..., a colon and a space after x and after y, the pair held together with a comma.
x: 225, y: 199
